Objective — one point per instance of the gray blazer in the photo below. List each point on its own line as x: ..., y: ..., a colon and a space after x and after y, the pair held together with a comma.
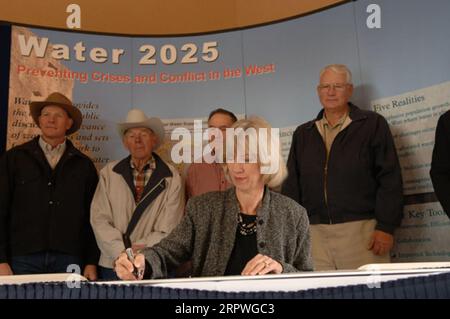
x: 208, y: 230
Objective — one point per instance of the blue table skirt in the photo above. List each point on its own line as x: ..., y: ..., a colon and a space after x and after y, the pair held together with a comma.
x: 435, y: 286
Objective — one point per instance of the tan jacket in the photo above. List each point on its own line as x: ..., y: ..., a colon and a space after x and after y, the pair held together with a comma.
x: 113, y: 205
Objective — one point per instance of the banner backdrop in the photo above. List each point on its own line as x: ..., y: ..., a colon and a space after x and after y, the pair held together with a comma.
x: 401, y: 70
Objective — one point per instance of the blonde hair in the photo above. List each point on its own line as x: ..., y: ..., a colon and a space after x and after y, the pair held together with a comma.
x: 273, y: 180
x: 340, y: 69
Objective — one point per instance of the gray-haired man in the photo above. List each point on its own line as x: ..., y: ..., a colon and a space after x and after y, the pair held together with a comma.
x: 343, y: 168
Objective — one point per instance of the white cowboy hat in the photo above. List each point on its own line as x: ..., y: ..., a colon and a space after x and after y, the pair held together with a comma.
x: 137, y: 118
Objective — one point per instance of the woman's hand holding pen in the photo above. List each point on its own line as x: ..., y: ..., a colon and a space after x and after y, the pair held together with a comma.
x: 130, y: 267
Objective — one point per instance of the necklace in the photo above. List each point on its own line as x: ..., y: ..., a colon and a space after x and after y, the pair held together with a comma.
x: 246, y: 229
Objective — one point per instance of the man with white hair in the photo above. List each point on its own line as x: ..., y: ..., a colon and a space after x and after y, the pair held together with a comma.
x: 344, y: 169
x: 139, y: 199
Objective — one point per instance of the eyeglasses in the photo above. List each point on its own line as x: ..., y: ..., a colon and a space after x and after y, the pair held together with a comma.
x: 335, y: 86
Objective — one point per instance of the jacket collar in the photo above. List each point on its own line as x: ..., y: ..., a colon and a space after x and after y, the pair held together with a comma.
x: 35, y: 149
x: 162, y: 171
x: 232, y: 203
x: 356, y: 114
x: 264, y: 209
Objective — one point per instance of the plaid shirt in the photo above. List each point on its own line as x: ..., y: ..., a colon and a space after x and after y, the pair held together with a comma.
x: 141, y: 177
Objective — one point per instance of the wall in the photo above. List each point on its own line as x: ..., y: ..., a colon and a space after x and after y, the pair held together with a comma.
x: 156, y: 17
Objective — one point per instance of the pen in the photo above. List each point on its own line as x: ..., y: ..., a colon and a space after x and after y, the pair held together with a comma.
x: 130, y: 255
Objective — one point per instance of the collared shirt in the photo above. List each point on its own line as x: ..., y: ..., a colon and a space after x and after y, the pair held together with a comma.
x: 141, y: 177
x: 52, y: 154
x: 204, y: 177
x: 329, y: 133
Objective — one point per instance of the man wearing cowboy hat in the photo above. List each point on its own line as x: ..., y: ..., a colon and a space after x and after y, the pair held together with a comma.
x: 46, y: 190
x: 139, y: 199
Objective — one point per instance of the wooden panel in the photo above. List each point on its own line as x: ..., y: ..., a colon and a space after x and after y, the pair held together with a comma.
x: 156, y: 17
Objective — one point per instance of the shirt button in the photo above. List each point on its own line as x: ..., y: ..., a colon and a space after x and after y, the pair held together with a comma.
x: 49, y: 184
x: 260, y: 222
x: 50, y: 202
x: 262, y: 244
